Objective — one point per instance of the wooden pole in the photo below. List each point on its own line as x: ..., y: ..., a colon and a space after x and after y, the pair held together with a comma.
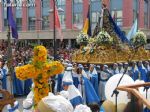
x: 9, y: 60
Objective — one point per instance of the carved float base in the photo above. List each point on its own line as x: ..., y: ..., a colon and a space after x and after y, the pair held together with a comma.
x: 104, y: 55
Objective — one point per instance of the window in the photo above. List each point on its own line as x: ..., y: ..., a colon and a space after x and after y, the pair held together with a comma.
x: 146, y: 13
x: 95, y: 16
x: 18, y: 4
x: 31, y: 23
x: 78, y: 1
x: 62, y: 20
x: 45, y: 23
x: 31, y: 3
x: 19, y: 24
x: 45, y: 3
x: 94, y: 19
x: 78, y: 20
x: 61, y: 2
x: 117, y: 15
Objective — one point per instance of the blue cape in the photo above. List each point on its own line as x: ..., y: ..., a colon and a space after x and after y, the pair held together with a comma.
x: 91, y: 96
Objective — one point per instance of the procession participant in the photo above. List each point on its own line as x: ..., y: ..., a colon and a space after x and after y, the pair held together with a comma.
x: 115, y: 69
x: 7, y: 79
x: 98, y: 69
x: 134, y: 105
x: 86, y: 68
x: 5, y: 67
x: 54, y: 103
x: 75, y: 75
x: 104, y: 76
x: 120, y: 68
x: 74, y: 94
x: 27, y: 86
x: 83, y: 72
x: 65, y: 94
x: 143, y: 72
x: 28, y: 102
x: 58, y: 81
x: 3, y: 76
x: 126, y: 68
x: 134, y: 71
x: 147, y: 66
x: 59, y: 77
x: 93, y: 77
x: 86, y: 88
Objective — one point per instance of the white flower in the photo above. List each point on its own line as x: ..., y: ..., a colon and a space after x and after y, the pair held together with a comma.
x: 82, y: 38
x: 103, y: 38
x: 139, y: 39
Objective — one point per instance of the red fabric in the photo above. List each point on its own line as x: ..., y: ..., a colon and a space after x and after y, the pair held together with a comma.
x: 57, y: 24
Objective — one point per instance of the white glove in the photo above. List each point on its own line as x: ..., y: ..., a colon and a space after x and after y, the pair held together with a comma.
x: 13, y: 109
x: 27, y: 103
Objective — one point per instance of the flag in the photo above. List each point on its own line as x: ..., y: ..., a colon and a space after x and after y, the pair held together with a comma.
x: 132, y: 31
x: 87, y: 25
x: 57, y: 24
x: 11, y: 21
x: 117, y: 30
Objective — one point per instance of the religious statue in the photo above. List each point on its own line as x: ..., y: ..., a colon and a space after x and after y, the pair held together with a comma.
x: 40, y: 70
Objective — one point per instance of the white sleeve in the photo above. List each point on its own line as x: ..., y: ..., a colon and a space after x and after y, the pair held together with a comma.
x: 30, y: 95
x: 1, y: 76
x: 28, y: 102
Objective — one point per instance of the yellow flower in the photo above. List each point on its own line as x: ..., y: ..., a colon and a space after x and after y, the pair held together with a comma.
x: 40, y: 70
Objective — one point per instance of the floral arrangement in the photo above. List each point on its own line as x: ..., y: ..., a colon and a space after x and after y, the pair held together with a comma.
x: 82, y: 38
x: 103, y: 38
x: 40, y: 70
x: 139, y: 39
x: 91, y: 40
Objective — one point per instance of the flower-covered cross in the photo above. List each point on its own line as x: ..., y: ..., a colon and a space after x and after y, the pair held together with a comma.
x: 40, y: 70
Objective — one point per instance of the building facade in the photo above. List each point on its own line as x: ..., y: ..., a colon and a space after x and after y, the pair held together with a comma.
x: 35, y: 20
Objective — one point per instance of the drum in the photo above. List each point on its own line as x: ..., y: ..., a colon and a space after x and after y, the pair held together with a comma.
x: 111, y: 85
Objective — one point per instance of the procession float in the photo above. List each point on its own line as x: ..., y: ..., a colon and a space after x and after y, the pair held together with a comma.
x: 108, y: 44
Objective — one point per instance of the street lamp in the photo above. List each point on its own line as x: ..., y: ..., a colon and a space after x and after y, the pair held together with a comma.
x: 54, y: 38
x: 37, y: 22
